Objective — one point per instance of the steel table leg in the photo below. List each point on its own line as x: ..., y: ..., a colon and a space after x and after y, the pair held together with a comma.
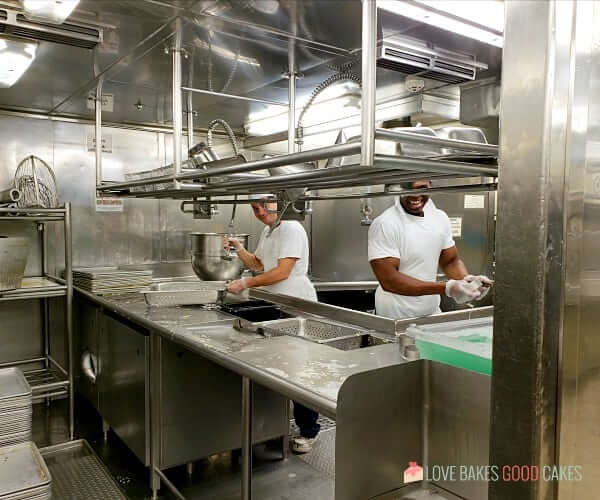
x: 247, y: 411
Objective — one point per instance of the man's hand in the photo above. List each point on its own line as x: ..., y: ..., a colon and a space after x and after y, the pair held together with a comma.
x: 237, y: 286
x: 485, y: 284
x: 463, y: 291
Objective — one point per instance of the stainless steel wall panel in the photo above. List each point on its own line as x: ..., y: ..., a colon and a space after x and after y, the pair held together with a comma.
x: 579, y: 407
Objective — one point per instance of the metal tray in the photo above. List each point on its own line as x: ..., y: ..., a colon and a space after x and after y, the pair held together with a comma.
x: 22, y: 468
x: 13, y: 384
x: 184, y: 293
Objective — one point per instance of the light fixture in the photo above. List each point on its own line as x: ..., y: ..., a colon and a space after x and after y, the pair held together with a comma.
x: 481, y: 20
x: 265, y: 6
x: 52, y: 11
x: 15, y: 57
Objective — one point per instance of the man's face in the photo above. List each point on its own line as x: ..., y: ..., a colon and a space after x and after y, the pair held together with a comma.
x: 414, y: 204
x: 265, y: 212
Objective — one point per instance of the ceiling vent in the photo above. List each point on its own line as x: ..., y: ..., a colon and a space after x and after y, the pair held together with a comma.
x: 413, y: 59
x: 15, y: 24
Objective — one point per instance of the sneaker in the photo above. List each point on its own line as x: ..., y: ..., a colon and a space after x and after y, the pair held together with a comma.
x: 302, y: 444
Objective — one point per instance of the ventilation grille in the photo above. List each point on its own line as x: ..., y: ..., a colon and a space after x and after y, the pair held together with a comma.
x: 16, y: 24
x: 435, y: 67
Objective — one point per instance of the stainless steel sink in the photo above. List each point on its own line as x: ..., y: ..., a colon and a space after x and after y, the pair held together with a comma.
x: 335, y: 335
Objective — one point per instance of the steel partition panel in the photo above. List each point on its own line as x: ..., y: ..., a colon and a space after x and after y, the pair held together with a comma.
x: 372, y: 448
x: 457, y: 424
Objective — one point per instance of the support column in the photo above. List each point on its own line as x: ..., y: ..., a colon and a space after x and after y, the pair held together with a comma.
x: 369, y: 82
x: 177, y: 101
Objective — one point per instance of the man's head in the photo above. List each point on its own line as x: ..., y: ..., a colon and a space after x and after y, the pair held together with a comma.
x: 414, y: 203
x: 264, y: 211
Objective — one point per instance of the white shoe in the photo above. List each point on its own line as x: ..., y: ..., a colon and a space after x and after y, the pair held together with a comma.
x: 302, y: 444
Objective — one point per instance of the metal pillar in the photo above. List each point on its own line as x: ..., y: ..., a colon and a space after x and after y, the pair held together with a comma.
x: 154, y: 394
x: 98, y: 129
x: 369, y: 82
x: 177, y: 102
x: 69, y: 314
x: 247, y: 413
x: 190, y: 104
x: 530, y: 248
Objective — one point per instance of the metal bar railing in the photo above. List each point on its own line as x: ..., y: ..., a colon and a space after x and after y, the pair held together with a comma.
x: 276, y: 161
x: 402, y: 136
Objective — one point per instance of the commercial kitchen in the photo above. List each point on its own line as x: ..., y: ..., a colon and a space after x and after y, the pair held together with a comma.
x: 290, y: 249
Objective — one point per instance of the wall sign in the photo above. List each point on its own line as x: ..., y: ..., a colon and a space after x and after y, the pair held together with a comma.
x: 109, y: 204
x: 474, y: 201
x: 456, y: 226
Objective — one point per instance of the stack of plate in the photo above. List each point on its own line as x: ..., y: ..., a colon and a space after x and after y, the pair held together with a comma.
x: 23, y: 473
x: 15, y: 407
x: 111, y: 280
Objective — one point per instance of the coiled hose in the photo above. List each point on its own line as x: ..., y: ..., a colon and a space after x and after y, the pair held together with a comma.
x: 213, y: 125
x: 338, y: 77
x: 209, y: 142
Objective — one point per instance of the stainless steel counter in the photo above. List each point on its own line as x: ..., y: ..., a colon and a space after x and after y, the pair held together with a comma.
x: 301, y: 370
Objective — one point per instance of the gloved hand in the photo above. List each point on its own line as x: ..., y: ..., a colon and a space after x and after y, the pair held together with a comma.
x: 237, y: 286
x: 462, y: 291
x: 485, y: 284
x: 232, y: 242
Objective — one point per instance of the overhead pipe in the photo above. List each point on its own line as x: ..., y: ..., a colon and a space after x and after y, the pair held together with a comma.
x: 402, y: 136
x: 177, y: 102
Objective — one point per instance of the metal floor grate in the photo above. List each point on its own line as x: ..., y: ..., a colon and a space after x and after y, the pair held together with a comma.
x: 324, y: 422
x: 78, y: 473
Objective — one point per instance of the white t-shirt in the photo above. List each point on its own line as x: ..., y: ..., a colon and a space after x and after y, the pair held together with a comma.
x: 418, y: 243
x: 287, y: 240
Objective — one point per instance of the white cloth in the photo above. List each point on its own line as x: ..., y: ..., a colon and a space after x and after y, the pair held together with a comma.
x: 418, y: 243
x: 287, y: 240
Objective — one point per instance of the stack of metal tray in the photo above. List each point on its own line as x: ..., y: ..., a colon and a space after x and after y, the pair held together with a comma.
x: 23, y: 473
x: 184, y: 293
x: 15, y: 407
x: 111, y: 280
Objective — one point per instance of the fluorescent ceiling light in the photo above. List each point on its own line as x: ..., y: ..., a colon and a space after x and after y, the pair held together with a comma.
x: 481, y: 20
x: 53, y: 11
x: 265, y: 6
x: 15, y: 57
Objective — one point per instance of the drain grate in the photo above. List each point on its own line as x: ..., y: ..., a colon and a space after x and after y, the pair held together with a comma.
x: 78, y: 474
x: 324, y: 422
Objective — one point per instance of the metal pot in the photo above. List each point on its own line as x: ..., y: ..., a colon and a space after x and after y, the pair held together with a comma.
x: 211, y: 262
x: 14, y: 253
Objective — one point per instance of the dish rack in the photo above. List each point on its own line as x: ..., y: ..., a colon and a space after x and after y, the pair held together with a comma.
x: 149, y: 174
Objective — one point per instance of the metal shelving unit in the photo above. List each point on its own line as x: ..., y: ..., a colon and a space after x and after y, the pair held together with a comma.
x: 53, y: 379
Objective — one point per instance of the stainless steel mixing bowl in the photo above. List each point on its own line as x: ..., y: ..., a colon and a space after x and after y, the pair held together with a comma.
x: 211, y: 262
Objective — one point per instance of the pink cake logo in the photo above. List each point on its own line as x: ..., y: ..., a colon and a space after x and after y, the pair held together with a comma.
x: 413, y: 473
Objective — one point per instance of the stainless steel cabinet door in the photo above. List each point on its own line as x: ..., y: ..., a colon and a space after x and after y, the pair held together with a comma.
x: 86, y: 350
x: 124, y: 383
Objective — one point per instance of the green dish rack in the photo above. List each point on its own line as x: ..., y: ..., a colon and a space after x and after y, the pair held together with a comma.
x: 465, y: 344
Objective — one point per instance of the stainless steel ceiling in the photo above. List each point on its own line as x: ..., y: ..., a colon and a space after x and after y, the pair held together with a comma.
x: 215, y: 33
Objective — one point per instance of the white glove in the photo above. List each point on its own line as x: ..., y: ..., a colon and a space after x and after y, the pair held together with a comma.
x: 462, y: 291
x: 484, y: 283
x: 232, y: 242
x: 237, y: 286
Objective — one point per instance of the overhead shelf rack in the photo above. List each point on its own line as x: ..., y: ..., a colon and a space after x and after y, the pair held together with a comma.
x: 386, y: 169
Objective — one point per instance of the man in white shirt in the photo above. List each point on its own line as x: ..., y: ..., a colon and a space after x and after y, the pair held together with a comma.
x: 282, y: 253
x: 407, y: 243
